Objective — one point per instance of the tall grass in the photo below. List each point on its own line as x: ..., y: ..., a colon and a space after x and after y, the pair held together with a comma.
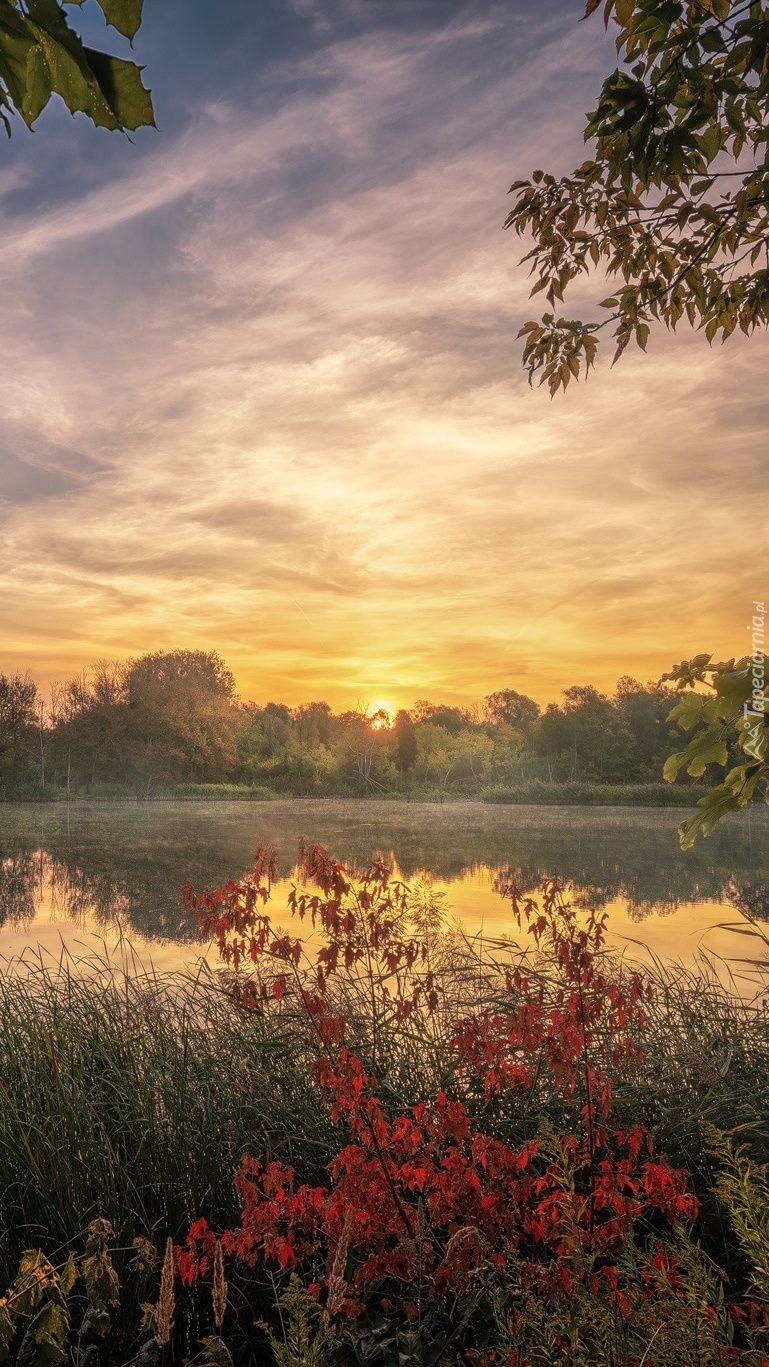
x: 536, y: 792
x: 132, y: 1097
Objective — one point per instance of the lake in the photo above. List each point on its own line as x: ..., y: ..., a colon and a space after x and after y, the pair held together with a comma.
x: 79, y: 876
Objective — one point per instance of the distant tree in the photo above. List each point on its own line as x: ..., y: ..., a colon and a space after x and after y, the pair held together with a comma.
x: 316, y: 722
x: 512, y: 708
x: 262, y: 741
x: 183, y: 717
x: 189, y: 672
x: 511, y: 746
x: 365, y: 755
x: 90, y: 727
x: 584, y: 739
x: 452, y: 719
x: 278, y: 711
x: 380, y: 719
x: 452, y: 760
x: 642, y: 713
x: 405, y: 740
x: 435, y: 759
x: 18, y: 731
x: 471, y: 755
x: 674, y: 201
x: 41, y: 56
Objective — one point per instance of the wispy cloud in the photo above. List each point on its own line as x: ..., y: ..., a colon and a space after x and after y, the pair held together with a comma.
x: 282, y: 347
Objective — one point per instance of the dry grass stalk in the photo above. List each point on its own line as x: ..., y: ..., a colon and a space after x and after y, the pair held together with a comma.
x: 220, y: 1285
x: 337, y: 1284
x: 164, y: 1310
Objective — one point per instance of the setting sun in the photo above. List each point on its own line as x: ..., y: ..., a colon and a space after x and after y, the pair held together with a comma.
x: 380, y: 713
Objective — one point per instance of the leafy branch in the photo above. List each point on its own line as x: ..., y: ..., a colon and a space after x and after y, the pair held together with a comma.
x: 41, y: 56
x: 655, y: 206
x: 728, y: 721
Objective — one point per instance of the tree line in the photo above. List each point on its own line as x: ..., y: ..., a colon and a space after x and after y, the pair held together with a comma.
x: 174, y: 718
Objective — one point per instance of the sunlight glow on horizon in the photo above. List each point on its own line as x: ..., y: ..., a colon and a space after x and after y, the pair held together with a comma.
x: 381, y: 723
x: 264, y: 395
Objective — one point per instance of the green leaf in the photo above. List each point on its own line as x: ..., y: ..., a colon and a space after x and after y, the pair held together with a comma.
x: 673, y: 766
x: 69, y: 1276
x: 707, y: 747
x: 124, y: 15
x: 50, y: 1325
x: 753, y: 730
x: 692, y: 709
x: 22, y: 67
x: 40, y: 55
x: 121, y: 85
x: 710, y: 811
x: 735, y: 792
x: 685, y: 90
x: 709, y: 142
x: 734, y: 686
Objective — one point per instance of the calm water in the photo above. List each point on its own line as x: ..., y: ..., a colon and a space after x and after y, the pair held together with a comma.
x: 75, y: 876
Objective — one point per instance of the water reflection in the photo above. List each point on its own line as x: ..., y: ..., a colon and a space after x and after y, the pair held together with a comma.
x: 126, y: 862
x: 22, y: 876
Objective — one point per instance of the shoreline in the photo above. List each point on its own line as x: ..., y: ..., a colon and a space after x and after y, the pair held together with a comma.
x: 625, y: 797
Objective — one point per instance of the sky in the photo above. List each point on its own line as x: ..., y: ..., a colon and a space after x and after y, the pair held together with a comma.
x: 262, y: 390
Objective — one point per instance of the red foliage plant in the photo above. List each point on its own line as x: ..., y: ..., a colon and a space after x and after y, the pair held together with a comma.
x: 427, y: 1201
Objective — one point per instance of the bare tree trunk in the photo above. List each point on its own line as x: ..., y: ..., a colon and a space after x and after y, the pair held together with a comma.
x: 42, y: 748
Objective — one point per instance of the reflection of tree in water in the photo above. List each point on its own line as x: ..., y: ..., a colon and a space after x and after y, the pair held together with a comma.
x: 649, y: 877
x: 85, y: 896
x: 95, y: 883
x: 130, y: 862
x: 19, y: 886
x: 752, y: 898
x: 138, y: 895
x: 646, y: 867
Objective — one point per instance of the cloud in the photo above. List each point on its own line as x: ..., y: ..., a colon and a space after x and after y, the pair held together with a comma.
x: 283, y: 348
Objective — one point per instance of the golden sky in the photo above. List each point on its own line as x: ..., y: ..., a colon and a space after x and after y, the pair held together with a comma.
x: 262, y: 392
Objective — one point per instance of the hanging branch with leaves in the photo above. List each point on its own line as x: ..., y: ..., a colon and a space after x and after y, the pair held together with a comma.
x: 674, y: 203
x: 728, y: 722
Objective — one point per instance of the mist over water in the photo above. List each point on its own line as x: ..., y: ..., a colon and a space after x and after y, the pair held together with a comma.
x: 68, y: 872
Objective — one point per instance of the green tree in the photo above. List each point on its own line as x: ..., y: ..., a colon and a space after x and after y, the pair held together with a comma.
x: 725, y: 708
x: 365, y: 755
x: 41, y: 56
x: 510, y: 749
x: 581, y: 739
x: 642, y: 717
x: 452, y: 719
x: 405, y: 741
x: 18, y: 732
x: 514, y: 709
x: 182, y: 716
x: 90, y: 739
x: 674, y: 202
x: 262, y: 744
x: 315, y: 722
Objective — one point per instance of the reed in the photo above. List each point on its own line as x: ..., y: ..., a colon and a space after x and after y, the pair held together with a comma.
x: 131, y: 1097
x: 537, y: 792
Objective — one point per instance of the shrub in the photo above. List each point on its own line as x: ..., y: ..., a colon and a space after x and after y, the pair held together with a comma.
x: 536, y: 791
x: 510, y: 1219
